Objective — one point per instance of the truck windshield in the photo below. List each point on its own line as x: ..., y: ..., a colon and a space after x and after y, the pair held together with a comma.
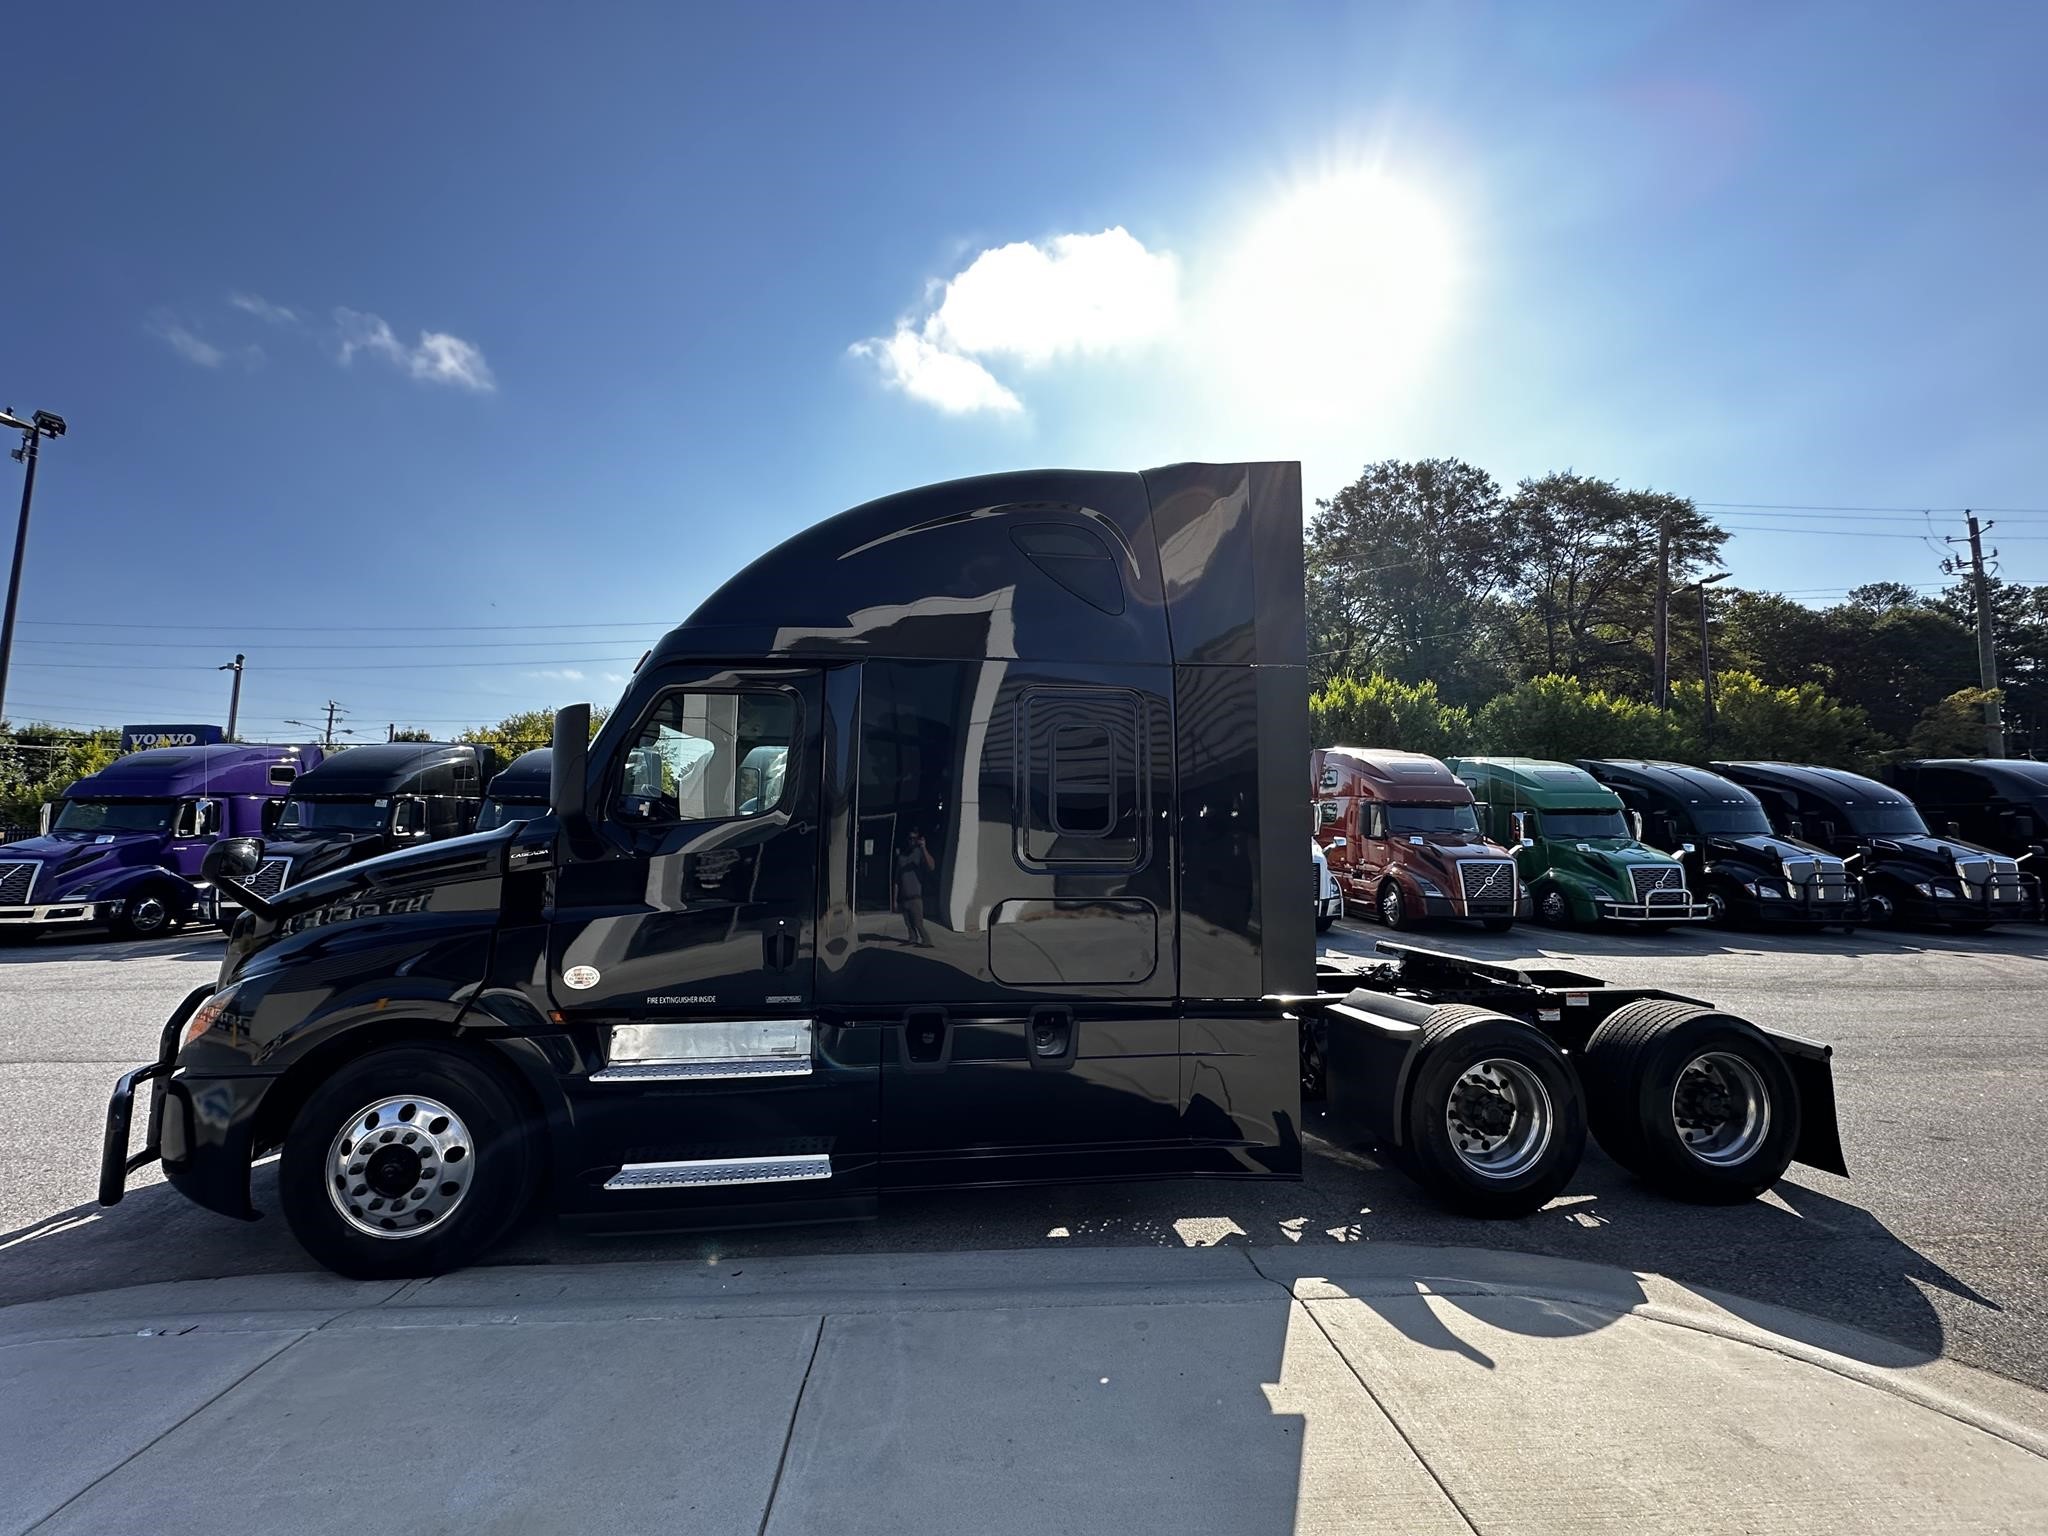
x: 1884, y: 818
x: 1732, y: 818
x: 334, y: 816
x: 1584, y: 824
x: 1405, y: 820
x: 115, y: 816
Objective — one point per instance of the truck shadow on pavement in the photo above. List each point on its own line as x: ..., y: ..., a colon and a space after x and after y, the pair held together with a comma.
x: 1356, y: 938
x: 1780, y: 1263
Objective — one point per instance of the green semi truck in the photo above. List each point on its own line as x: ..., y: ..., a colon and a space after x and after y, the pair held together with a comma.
x: 1575, y: 846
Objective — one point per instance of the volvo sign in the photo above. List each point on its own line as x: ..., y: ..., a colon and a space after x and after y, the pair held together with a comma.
x: 140, y: 738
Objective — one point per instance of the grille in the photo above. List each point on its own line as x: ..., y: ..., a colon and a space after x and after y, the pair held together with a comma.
x: 269, y: 877
x: 16, y: 881
x: 1657, y: 882
x: 1491, y: 880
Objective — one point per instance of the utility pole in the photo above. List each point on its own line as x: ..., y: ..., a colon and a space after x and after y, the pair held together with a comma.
x: 332, y: 708
x: 1706, y: 669
x: 235, y: 697
x: 1661, y: 680
x: 1987, y: 657
x: 39, y: 426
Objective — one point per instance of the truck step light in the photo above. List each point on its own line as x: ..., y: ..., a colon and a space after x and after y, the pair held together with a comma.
x: 720, y: 1170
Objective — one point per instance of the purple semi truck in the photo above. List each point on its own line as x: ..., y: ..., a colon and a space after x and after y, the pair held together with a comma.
x: 123, y: 847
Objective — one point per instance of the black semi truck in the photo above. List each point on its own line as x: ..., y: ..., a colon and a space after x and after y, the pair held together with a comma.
x: 1721, y: 832
x: 956, y: 841
x: 518, y: 791
x: 367, y: 801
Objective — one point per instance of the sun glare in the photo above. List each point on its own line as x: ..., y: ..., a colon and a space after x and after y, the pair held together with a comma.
x: 1340, y: 289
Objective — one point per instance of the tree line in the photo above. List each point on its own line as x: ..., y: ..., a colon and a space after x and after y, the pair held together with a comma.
x: 1447, y: 614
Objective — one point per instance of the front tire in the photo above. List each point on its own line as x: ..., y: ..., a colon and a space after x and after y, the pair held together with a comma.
x: 1495, y: 1122
x: 1323, y: 924
x: 1393, y: 906
x: 147, y: 916
x: 412, y: 1160
x: 1693, y: 1102
x: 1554, y: 908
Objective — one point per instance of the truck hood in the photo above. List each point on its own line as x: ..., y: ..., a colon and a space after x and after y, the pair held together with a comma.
x: 1925, y: 852
x: 415, y: 865
x: 75, y: 861
x: 317, y: 852
x: 1764, y: 851
x: 1440, y: 853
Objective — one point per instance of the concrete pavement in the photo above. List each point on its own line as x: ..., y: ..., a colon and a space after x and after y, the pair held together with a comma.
x: 1368, y: 1387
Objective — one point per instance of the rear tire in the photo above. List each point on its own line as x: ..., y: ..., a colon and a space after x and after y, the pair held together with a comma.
x: 1693, y: 1102
x: 431, y: 1120
x: 1495, y: 1120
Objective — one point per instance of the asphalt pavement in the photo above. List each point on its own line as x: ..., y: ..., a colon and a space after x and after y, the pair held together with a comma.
x: 1936, y: 1243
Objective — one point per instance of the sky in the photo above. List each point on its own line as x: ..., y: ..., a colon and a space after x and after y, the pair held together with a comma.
x: 438, y: 358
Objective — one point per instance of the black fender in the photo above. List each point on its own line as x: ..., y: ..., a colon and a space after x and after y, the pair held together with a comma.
x: 126, y: 884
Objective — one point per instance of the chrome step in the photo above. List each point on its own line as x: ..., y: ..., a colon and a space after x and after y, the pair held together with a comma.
x: 694, y: 1071
x: 721, y: 1170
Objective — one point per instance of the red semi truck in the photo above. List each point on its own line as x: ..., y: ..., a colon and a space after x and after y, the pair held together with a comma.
x: 1402, y: 838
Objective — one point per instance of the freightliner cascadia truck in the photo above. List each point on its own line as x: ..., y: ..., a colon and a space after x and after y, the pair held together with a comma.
x: 956, y: 841
x: 1722, y: 834
x: 369, y: 800
x: 123, y: 847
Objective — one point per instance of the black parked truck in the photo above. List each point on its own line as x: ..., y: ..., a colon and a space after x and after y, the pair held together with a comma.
x: 367, y: 801
x: 1908, y: 874
x: 955, y: 841
x: 1721, y: 832
x: 518, y: 791
x: 2000, y: 803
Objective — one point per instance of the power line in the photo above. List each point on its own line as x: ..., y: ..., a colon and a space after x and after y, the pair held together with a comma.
x: 232, y: 628
x: 1796, y: 506
x: 368, y: 666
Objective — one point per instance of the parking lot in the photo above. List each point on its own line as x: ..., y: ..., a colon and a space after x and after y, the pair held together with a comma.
x: 1936, y: 1242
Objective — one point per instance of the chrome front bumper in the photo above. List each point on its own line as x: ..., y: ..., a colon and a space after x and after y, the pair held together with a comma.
x: 1661, y: 912
x: 56, y: 913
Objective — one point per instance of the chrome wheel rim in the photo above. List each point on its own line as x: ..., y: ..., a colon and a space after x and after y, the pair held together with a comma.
x: 1717, y: 907
x: 1721, y: 1109
x: 1499, y: 1117
x: 148, y: 915
x: 1881, y: 909
x: 399, y: 1167
x: 1390, y: 905
x: 1553, y: 906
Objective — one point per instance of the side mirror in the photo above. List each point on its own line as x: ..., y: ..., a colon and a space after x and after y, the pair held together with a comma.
x: 1687, y: 848
x: 44, y: 818
x: 1955, y: 828
x: 569, y: 765
x: 408, y: 816
x: 1526, y: 842
x: 1827, y: 831
x: 1635, y: 825
x: 1794, y: 827
x: 232, y: 858
x: 1518, y: 825
x: 1340, y: 842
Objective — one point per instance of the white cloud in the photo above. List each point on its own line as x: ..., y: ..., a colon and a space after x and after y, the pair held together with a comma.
x: 439, y: 358
x: 926, y: 371
x: 193, y: 348
x: 559, y: 674
x: 1080, y: 293
x: 263, y: 309
x: 1076, y: 295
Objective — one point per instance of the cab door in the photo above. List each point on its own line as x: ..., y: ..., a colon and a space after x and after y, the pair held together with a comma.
x: 681, y: 946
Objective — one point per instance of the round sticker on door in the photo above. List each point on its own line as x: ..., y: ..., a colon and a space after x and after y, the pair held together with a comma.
x: 581, y: 977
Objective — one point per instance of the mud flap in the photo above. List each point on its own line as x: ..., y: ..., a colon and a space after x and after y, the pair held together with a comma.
x: 1820, y: 1134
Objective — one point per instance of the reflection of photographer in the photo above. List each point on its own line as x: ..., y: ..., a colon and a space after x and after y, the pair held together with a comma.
x: 911, y: 865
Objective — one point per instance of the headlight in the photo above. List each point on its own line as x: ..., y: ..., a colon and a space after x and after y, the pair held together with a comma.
x: 1769, y: 892
x: 205, y: 1014
x: 1923, y: 888
x: 1943, y: 890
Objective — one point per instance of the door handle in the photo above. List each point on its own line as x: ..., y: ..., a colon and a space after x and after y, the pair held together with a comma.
x: 778, y: 949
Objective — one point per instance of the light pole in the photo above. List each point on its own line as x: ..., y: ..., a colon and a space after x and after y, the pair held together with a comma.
x: 235, y: 697
x: 39, y: 426
x: 1706, y: 668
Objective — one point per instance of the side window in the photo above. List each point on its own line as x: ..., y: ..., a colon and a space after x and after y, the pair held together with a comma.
x: 197, y: 818
x: 1376, y: 820
x: 709, y: 757
x: 1079, y: 793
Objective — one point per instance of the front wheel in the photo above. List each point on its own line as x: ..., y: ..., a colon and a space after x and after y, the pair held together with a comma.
x: 1554, y: 907
x: 408, y: 1161
x: 1693, y: 1102
x: 1393, y: 905
x: 147, y: 916
x: 1495, y: 1122
x: 1323, y: 924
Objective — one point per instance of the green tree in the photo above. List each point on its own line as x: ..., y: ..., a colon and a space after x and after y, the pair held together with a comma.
x: 1560, y: 717
x: 1893, y: 661
x: 38, y: 762
x: 411, y: 733
x: 1952, y: 727
x: 1754, y: 719
x: 524, y: 730
x: 2019, y: 640
x: 1379, y: 711
x: 1781, y: 641
x: 1401, y: 564
x: 1585, y: 556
